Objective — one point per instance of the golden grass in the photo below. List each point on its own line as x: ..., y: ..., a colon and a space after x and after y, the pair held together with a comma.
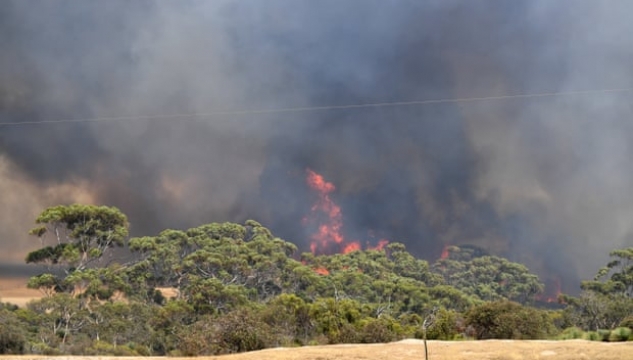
x: 414, y: 350
x: 14, y: 290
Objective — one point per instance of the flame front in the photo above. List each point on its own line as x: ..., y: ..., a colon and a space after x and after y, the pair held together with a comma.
x: 331, y: 220
x: 327, y: 220
x: 445, y: 253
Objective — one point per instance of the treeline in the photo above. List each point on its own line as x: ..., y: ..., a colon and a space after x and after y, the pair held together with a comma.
x: 224, y: 288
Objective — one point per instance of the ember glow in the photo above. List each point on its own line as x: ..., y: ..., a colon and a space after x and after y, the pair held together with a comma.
x: 557, y: 291
x: 325, y: 213
x: 553, y: 290
x: 353, y: 246
x: 322, y: 271
x: 381, y: 245
x: 444, y: 252
x: 326, y: 217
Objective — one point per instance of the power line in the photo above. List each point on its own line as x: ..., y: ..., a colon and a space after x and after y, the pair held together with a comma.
x: 317, y: 108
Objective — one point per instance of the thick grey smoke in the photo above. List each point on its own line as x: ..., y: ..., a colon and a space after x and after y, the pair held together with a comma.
x: 542, y: 180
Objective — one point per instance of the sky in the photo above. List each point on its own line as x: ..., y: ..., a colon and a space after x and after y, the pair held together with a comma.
x: 545, y: 180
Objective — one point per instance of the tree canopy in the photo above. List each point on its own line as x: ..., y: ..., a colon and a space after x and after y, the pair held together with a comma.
x: 229, y: 287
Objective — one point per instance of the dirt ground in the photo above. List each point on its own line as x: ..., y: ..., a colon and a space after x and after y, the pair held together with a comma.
x: 413, y: 349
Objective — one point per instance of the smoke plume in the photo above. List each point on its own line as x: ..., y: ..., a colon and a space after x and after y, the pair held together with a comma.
x: 544, y: 180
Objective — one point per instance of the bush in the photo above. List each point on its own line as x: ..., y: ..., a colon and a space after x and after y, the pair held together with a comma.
x: 508, y: 320
x: 240, y: 331
x: 572, y: 333
x: 620, y: 334
x: 444, y: 327
x: 104, y: 348
x: 627, y: 322
x: 382, y: 330
x: 592, y: 336
x: 604, y: 334
x: 237, y: 331
x: 12, y: 333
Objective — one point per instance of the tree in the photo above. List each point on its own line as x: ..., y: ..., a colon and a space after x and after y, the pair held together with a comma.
x: 75, y: 236
x: 616, y: 278
x: 490, y: 278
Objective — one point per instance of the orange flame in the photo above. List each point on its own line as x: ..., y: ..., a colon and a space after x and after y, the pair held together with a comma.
x: 353, y: 246
x: 444, y: 252
x: 557, y: 290
x: 322, y: 271
x: 328, y: 236
x: 552, y: 291
x: 380, y: 246
x: 329, y: 231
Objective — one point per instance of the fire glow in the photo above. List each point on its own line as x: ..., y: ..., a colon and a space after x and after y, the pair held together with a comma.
x: 327, y: 218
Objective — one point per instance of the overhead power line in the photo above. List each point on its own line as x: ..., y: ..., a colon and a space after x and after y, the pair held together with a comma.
x: 316, y: 108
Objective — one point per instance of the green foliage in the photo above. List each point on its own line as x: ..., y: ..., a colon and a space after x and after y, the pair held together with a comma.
x: 592, y: 336
x: 239, y: 331
x: 604, y: 334
x: 238, y: 288
x: 508, y: 320
x: 490, y: 278
x: 381, y: 330
x: 620, y: 334
x: 445, y: 326
x: 627, y: 322
x: 616, y: 278
x: 81, y: 235
x: 593, y: 310
x: 12, y: 333
x: 572, y: 333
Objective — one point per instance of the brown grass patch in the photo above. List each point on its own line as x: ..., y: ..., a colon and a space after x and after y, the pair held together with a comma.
x: 14, y: 290
x: 438, y: 350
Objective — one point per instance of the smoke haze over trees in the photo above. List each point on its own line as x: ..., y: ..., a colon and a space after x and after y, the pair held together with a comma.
x: 544, y: 181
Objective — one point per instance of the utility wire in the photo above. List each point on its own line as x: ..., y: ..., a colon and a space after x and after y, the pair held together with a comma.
x: 316, y: 108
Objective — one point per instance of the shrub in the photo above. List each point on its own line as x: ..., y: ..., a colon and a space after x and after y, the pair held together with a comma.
x: 571, y: 333
x: 620, y: 334
x: 592, y: 336
x: 604, y: 334
x: 12, y: 333
x: 508, y: 320
x: 382, y: 330
x: 240, y: 331
x: 105, y: 348
x: 444, y: 327
x: 627, y: 322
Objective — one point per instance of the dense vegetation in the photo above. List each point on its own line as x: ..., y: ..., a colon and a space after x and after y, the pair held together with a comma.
x: 222, y: 288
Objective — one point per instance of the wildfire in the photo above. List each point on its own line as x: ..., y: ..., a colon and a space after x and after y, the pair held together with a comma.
x: 444, y: 252
x: 552, y: 291
x: 326, y: 217
x: 322, y: 271
x: 557, y: 291
x: 381, y: 245
x: 353, y: 246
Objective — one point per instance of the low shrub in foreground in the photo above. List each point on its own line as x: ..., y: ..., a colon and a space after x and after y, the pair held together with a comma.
x: 573, y: 333
x: 509, y: 320
x: 620, y: 334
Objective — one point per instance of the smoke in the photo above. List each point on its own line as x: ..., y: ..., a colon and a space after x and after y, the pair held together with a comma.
x: 544, y: 180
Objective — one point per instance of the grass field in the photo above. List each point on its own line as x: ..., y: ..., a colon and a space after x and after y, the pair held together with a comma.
x: 414, y: 350
x: 13, y: 290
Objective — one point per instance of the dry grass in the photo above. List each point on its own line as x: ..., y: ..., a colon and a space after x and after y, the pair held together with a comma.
x: 438, y: 350
x: 14, y: 290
